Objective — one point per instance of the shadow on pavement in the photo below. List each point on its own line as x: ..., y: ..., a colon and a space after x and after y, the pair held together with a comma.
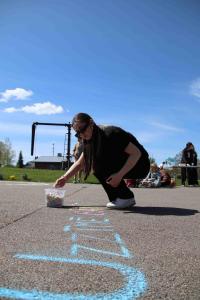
x: 162, y: 211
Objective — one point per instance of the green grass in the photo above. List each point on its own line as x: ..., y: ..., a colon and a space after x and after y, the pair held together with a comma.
x: 41, y: 175
x: 36, y: 175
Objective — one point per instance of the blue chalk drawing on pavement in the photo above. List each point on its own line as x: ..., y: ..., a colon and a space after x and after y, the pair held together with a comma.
x: 124, y: 251
x: 116, y: 236
x: 67, y: 228
x: 93, y: 224
x: 134, y: 283
x: 94, y: 229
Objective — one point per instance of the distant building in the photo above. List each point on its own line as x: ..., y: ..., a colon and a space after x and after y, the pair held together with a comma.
x: 50, y: 162
x: 29, y: 165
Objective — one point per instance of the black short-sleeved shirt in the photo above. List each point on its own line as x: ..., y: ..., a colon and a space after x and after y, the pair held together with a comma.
x: 189, y: 157
x: 112, y: 155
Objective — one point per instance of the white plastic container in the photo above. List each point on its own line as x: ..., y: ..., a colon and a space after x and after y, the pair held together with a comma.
x: 54, y: 197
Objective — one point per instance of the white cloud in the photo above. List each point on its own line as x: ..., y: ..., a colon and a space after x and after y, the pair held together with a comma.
x: 195, y: 88
x: 10, y: 110
x: 45, y: 108
x: 166, y: 127
x: 16, y: 94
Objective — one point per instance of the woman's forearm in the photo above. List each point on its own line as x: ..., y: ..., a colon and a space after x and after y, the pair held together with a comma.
x: 129, y: 164
x: 134, y: 155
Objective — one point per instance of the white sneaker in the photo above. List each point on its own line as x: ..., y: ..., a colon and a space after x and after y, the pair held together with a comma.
x: 121, y: 203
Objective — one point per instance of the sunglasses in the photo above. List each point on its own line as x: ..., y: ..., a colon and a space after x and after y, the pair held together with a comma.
x: 81, y: 130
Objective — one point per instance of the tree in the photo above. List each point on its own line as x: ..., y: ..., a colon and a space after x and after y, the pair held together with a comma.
x: 174, y: 160
x: 178, y: 157
x: 152, y: 160
x: 20, y: 162
x: 170, y: 161
x: 6, y: 153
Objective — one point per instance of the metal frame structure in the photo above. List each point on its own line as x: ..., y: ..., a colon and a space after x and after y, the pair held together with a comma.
x: 68, y: 125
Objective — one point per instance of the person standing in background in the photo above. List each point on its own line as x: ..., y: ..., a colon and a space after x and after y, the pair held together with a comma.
x: 78, y: 149
x: 189, y: 157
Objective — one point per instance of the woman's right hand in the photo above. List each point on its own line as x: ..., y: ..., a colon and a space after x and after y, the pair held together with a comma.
x: 60, y: 182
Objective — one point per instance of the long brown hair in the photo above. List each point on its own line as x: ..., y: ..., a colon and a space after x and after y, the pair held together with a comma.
x: 82, y: 118
x: 90, y: 147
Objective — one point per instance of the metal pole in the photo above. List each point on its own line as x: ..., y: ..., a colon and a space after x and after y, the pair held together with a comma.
x: 53, y: 148
x: 33, y: 138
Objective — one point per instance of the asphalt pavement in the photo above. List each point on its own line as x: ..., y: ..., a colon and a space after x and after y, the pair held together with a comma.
x: 84, y: 251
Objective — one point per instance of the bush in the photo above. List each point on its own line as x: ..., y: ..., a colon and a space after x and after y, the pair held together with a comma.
x: 12, y: 177
x: 25, y: 177
x: 1, y: 177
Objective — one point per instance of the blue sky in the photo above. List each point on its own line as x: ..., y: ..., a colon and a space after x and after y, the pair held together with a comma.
x: 134, y: 64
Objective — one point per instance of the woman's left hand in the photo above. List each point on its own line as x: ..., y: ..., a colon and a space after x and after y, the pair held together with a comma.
x: 114, y: 179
